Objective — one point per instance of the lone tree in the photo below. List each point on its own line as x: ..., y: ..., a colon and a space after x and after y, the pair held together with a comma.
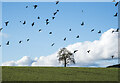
x: 65, y: 56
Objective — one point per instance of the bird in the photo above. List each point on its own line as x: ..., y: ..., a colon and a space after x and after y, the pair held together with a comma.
x: 116, y: 4
x: 26, y: 6
x: 1, y: 29
x: 33, y: 23
x: 0, y: 45
x: 28, y: 39
x: 20, y: 21
x: 57, y: 10
x: 24, y: 22
x: 38, y: 17
x: 117, y: 30
x: 113, y: 31
x: 70, y: 30
x: 6, y: 23
x: 57, y: 2
x: 82, y: 10
x: 53, y: 44
x: 112, y: 56
x: 35, y: 6
x: 47, y: 23
x: 8, y: 43
x: 82, y: 24
x: 65, y: 39
x: 47, y: 20
x: 99, y: 31
x: 115, y: 15
x: 75, y: 51
x: 92, y: 30
x: 50, y: 32
x: 55, y: 13
x: 20, y: 42
x: 88, y: 51
x: 77, y: 36
x: 40, y: 30
x: 53, y: 17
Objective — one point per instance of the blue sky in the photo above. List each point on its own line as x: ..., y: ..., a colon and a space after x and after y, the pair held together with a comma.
x: 95, y: 15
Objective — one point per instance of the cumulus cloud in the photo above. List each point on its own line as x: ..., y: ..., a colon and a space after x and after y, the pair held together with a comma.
x: 99, y: 56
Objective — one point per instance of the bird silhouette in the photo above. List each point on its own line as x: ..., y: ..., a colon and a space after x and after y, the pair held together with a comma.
x: 40, y: 30
x: 47, y: 20
x: 24, y: 22
x: 75, y: 51
x: 55, y: 13
x: 6, y: 23
x: 57, y: 2
x: 50, y: 32
x: 113, y: 31
x: 28, y: 39
x: 65, y: 39
x: 8, y: 43
x: 47, y: 23
x: 99, y: 31
x: 88, y: 51
x: 82, y: 23
x: 117, y: 30
x: 57, y: 10
x: 53, y: 17
x: 0, y: 45
x: 116, y: 4
x: 1, y: 29
x: 115, y: 14
x: 92, y: 30
x: 33, y: 23
x: 77, y: 36
x: 26, y: 6
x: 20, y: 42
x: 112, y: 56
x: 38, y: 17
x: 35, y: 6
x: 53, y: 44
x: 70, y: 30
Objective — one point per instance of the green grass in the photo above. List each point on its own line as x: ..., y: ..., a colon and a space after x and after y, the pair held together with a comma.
x: 59, y: 74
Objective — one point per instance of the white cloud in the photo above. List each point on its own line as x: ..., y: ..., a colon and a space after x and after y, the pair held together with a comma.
x: 99, y: 56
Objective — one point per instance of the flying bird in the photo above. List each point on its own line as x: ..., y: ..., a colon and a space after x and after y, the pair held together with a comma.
x: 88, y: 51
x: 40, y: 30
x: 47, y: 20
x: 47, y: 23
x: 92, y: 30
x: 0, y: 45
x: 35, y: 6
x: 115, y: 15
x: 26, y: 6
x: 28, y: 39
x: 33, y: 24
x: 112, y: 56
x: 53, y: 17
x: 57, y: 10
x: 38, y: 17
x: 117, y: 30
x: 65, y: 39
x: 1, y: 29
x: 113, y: 31
x: 20, y: 42
x: 75, y: 51
x: 82, y: 23
x: 116, y: 4
x: 53, y: 44
x: 50, y: 32
x: 55, y: 13
x: 6, y: 23
x: 24, y: 22
x: 57, y: 2
x: 82, y: 10
x: 8, y: 43
x: 70, y: 30
x: 99, y: 31
x: 77, y: 36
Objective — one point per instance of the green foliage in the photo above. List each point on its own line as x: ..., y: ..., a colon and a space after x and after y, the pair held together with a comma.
x: 59, y: 74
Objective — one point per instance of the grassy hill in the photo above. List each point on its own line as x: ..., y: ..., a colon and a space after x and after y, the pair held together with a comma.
x: 59, y: 74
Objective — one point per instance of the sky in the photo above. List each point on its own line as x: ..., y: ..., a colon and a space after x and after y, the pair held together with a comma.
x: 99, y: 16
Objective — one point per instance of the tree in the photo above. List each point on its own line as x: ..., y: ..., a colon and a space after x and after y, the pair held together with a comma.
x: 65, y: 56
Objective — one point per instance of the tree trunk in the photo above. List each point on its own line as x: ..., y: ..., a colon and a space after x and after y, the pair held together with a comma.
x: 65, y: 62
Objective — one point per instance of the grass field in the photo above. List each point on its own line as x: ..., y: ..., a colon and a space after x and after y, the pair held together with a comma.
x: 59, y: 74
